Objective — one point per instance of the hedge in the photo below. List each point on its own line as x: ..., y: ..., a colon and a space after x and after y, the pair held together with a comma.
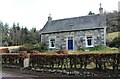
x: 66, y: 61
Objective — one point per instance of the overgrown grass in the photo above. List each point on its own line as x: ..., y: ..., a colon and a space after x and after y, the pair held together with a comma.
x: 97, y: 49
x: 113, y: 35
x: 84, y: 52
x: 94, y: 50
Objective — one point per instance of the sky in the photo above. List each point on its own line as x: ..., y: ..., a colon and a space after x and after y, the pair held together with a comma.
x: 34, y: 13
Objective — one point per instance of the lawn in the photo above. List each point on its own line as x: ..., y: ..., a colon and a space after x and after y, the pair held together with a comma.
x: 85, y: 52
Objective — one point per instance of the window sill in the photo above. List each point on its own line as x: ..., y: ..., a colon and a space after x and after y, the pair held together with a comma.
x: 89, y: 46
x: 51, y: 47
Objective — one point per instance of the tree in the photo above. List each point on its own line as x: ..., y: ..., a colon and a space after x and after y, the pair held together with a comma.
x: 5, y: 34
x: 32, y: 36
x: 13, y: 34
x: 115, y: 42
x: 1, y: 32
x: 17, y: 35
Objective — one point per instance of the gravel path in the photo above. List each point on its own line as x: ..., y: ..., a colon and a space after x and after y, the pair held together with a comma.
x: 13, y: 73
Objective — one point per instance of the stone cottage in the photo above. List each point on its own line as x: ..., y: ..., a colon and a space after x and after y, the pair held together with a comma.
x: 71, y: 33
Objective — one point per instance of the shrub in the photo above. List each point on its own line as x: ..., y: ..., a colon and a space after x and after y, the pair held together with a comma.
x: 34, y: 52
x: 26, y: 47
x: 4, y: 50
x: 115, y: 42
x: 81, y: 48
x: 39, y: 46
x: 14, y: 50
x: 62, y: 51
x: 23, y: 55
x: 99, y: 47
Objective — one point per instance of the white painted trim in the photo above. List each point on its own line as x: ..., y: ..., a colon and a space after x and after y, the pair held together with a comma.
x: 67, y: 43
x: 73, y: 44
x: 41, y: 38
x: 105, y: 36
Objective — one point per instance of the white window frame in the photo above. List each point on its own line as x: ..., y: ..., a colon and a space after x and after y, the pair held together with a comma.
x: 86, y: 42
x: 52, y: 37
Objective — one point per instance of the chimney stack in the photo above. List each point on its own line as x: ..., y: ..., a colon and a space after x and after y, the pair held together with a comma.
x: 101, y: 9
x: 49, y: 17
x: 119, y: 6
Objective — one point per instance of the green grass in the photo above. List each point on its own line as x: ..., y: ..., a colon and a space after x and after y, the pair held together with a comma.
x: 93, y: 50
x: 85, y: 52
x: 97, y: 51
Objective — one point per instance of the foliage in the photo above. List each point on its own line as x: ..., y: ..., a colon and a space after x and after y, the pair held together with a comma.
x: 91, y: 13
x: 26, y: 47
x: 81, y: 48
x: 73, y: 60
x: 23, y: 54
x: 115, y: 42
x: 62, y: 51
x: 34, y: 52
x: 100, y: 61
x: 29, y: 47
x: 99, y: 47
x: 18, y: 35
x: 112, y: 36
x: 40, y: 46
x: 4, y: 50
x: 14, y: 50
x: 96, y: 48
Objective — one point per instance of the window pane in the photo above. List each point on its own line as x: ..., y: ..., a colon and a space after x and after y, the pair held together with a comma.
x: 52, y: 41
x: 89, y: 41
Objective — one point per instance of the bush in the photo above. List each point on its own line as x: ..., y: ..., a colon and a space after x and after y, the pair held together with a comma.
x: 39, y: 46
x: 99, y: 47
x: 14, y: 50
x: 115, y: 42
x: 25, y: 49
x: 81, y: 49
x: 23, y: 55
x: 4, y: 50
x: 34, y: 52
x: 29, y: 47
x: 62, y: 51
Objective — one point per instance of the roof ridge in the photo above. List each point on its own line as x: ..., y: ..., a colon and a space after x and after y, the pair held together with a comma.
x: 75, y: 17
x: 74, y: 23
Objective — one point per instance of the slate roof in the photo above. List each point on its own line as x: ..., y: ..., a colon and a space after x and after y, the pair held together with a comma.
x: 75, y: 23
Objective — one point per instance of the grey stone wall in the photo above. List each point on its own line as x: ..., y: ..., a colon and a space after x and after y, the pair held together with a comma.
x: 79, y: 38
